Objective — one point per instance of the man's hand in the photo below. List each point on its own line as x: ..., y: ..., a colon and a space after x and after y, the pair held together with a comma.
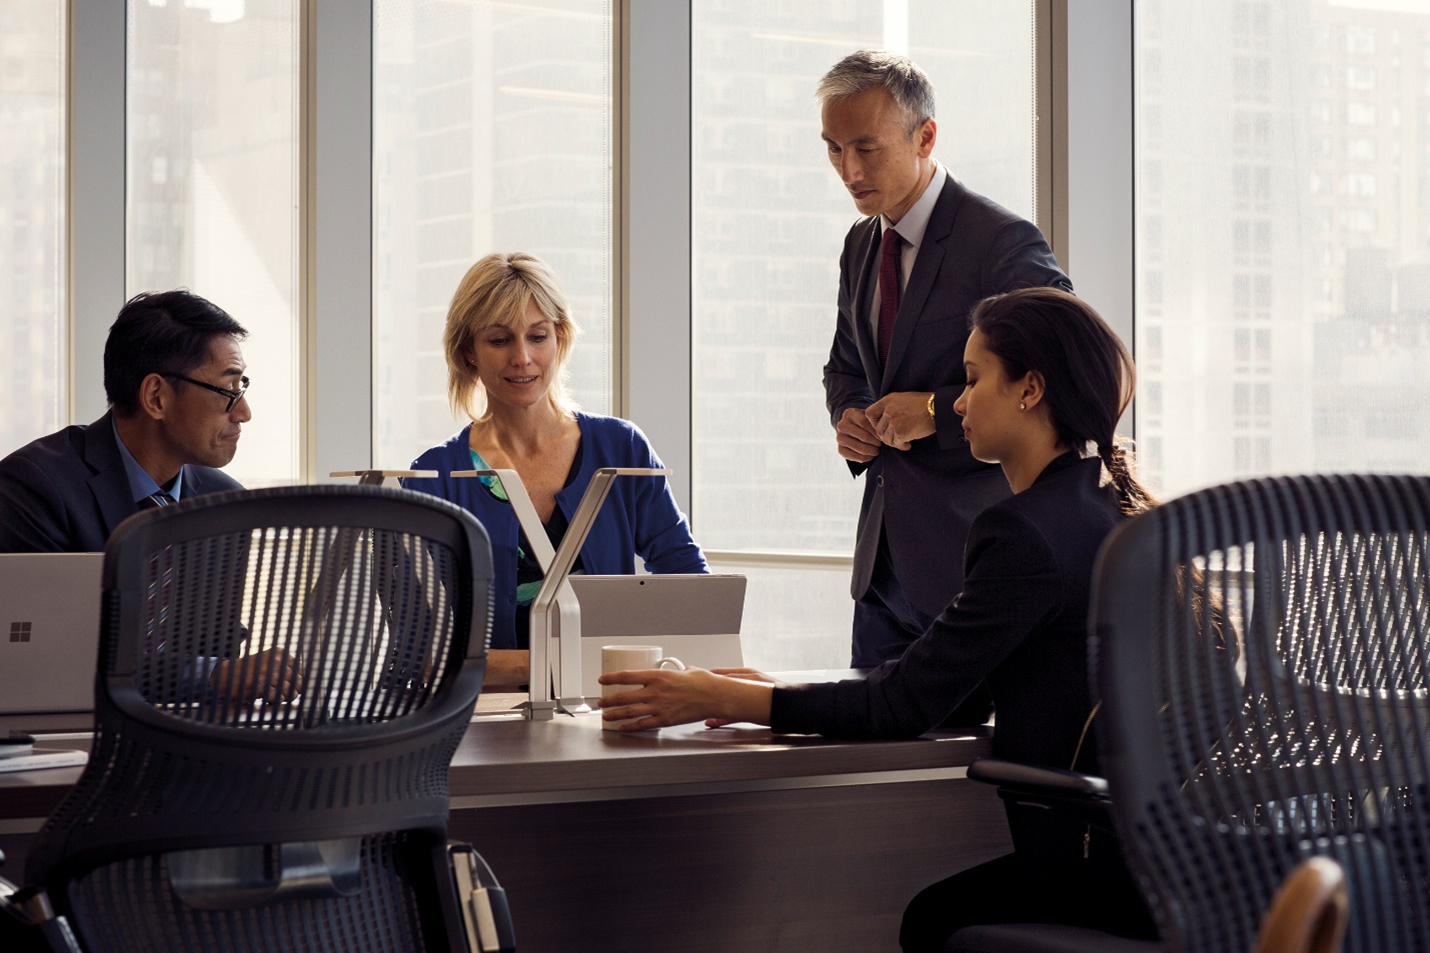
x: 857, y: 439
x: 900, y: 419
x: 272, y: 675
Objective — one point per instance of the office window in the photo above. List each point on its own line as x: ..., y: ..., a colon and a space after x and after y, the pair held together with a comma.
x: 1360, y: 184
x: 491, y: 132
x: 1360, y: 114
x: 212, y: 192
x: 1360, y: 77
x: 1332, y: 296
x: 33, y: 367
x: 769, y: 219
x: 1359, y: 148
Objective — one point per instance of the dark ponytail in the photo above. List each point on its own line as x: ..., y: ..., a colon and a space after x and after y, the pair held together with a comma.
x: 1088, y: 374
x: 1134, y: 496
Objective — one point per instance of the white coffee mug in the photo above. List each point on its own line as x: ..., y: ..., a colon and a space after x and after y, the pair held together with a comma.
x: 631, y: 658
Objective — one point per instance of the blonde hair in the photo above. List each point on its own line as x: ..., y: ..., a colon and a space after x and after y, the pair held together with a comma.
x: 497, y: 290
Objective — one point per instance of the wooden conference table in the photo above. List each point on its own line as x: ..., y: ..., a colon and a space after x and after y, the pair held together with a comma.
x: 685, y: 839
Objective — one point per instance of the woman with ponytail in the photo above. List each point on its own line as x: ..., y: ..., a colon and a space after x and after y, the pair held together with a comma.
x: 1047, y: 380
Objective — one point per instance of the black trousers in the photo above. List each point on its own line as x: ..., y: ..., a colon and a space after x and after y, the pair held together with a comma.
x: 1012, y: 890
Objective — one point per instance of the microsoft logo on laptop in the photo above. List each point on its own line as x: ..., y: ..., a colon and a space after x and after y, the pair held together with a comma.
x: 19, y: 631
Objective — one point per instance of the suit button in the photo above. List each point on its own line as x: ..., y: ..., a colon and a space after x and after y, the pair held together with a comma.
x: 879, y: 480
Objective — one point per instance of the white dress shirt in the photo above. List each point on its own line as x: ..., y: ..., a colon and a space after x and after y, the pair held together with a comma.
x: 911, y: 229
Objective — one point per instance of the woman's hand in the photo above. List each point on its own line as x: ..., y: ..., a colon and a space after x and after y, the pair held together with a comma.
x: 668, y: 697
x: 747, y: 674
x: 507, y: 670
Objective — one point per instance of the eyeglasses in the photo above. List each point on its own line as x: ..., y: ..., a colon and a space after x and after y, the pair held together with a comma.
x: 234, y: 396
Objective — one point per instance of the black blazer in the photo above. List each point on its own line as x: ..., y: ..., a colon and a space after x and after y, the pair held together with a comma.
x: 972, y: 248
x: 1020, y: 624
x: 66, y: 492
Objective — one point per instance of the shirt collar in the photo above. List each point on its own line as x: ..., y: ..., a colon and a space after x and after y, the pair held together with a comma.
x: 141, y: 484
x: 916, y: 220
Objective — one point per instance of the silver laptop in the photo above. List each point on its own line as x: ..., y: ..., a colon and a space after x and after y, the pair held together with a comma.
x: 49, y: 631
x: 695, y: 618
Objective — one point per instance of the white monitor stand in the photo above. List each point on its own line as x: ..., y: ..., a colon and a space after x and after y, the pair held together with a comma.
x: 556, y: 674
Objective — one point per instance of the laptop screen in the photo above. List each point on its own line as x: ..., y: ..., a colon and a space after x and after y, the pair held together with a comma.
x: 49, y: 631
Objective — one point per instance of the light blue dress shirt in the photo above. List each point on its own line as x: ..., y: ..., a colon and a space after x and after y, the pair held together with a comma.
x: 141, y: 484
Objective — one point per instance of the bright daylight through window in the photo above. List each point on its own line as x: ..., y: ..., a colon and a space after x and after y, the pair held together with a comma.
x: 1283, y: 238
x: 212, y: 192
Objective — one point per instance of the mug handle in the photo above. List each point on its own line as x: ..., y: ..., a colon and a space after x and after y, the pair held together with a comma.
x: 673, y: 662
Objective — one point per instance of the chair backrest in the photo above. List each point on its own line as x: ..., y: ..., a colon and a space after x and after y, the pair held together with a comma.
x: 1261, y: 652
x: 203, y: 821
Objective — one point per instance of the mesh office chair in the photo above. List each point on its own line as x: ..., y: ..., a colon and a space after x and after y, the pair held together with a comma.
x: 1262, y: 651
x: 207, y: 823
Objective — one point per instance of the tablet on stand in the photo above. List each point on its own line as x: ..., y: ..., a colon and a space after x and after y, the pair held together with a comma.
x: 555, y: 612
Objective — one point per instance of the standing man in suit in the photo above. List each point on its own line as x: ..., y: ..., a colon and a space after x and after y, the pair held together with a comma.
x: 926, y: 251
x: 174, y: 378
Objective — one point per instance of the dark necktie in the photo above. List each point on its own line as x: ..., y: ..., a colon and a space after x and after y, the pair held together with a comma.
x: 889, y: 254
x: 159, y: 589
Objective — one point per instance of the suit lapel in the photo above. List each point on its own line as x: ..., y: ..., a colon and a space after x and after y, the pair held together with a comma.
x: 109, y: 481
x: 863, y: 288
x: 926, y: 265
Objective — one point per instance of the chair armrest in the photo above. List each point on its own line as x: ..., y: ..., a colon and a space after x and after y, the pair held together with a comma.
x: 1033, y: 780
x: 27, y: 921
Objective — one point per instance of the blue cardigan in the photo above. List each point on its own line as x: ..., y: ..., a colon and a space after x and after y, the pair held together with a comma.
x: 639, y: 515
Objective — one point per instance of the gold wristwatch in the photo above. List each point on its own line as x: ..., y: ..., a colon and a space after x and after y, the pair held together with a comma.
x: 931, y: 397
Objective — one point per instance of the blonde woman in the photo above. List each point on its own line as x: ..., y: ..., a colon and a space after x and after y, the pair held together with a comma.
x: 509, y: 335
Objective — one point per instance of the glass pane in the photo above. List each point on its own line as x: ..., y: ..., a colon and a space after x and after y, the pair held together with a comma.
x: 492, y: 132
x: 770, y: 217
x: 33, y: 365
x: 796, y: 620
x: 1283, y: 228
x: 212, y: 193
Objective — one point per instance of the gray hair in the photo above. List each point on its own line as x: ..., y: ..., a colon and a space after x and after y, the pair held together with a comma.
x: 860, y: 72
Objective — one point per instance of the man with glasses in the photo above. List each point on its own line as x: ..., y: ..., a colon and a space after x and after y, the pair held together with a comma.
x: 174, y: 378
x: 173, y: 374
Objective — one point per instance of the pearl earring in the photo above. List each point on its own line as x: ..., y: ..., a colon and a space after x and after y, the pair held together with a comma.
x: 1022, y: 406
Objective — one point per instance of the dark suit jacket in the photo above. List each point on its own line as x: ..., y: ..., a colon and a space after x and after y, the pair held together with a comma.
x: 66, y: 492
x: 1020, y: 624
x: 971, y: 249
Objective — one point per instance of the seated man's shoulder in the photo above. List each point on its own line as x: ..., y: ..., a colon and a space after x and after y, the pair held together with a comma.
x: 45, y: 500
x: 209, y: 480
x: 51, y: 456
